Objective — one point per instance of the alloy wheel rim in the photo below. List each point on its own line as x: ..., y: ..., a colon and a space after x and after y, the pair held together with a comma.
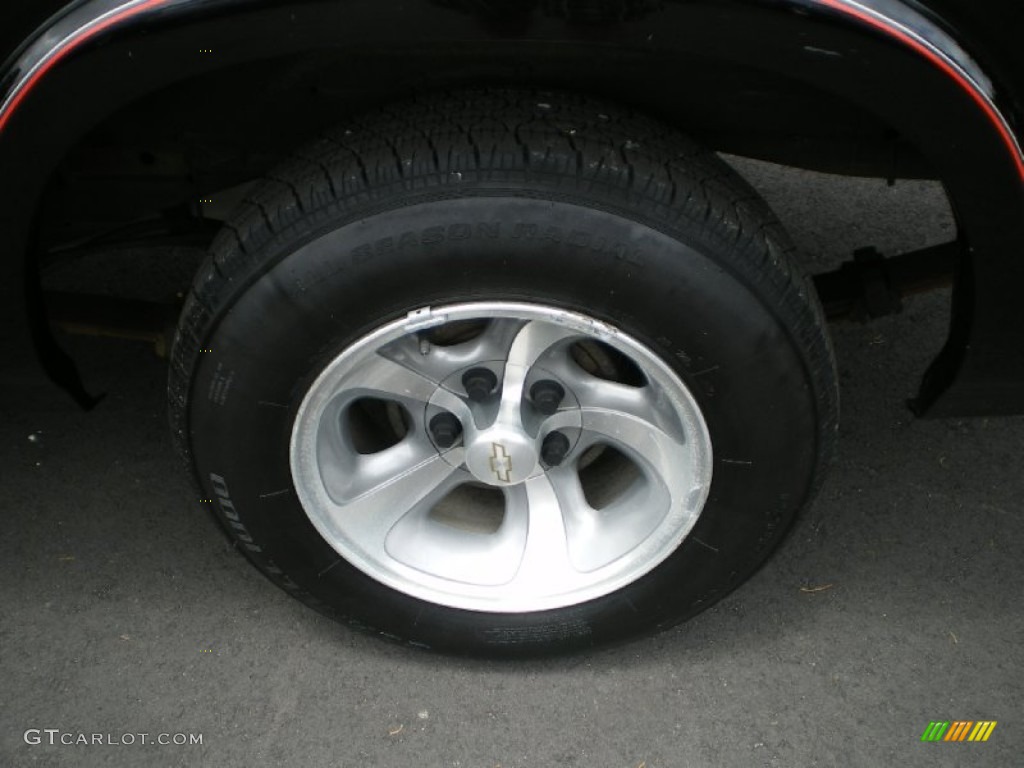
x: 498, y: 456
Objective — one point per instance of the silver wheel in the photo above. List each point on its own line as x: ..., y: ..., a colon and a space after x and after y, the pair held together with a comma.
x: 501, y: 457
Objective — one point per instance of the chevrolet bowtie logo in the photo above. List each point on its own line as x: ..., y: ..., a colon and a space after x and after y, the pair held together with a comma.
x: 501, y: 463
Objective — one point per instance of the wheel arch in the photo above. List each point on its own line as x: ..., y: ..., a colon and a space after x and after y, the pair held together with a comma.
x: 880, y: 88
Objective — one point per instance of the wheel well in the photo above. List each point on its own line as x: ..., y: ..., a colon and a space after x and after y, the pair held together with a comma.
x: 174, y: 149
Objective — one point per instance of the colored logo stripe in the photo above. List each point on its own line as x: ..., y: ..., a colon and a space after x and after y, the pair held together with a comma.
x: 982, y: 731
x: 958, y: 730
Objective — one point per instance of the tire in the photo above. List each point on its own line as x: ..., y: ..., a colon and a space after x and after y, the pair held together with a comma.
x: 465, y: 320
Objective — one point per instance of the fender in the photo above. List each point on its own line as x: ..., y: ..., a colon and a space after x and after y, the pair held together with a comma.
x: 891, y: 58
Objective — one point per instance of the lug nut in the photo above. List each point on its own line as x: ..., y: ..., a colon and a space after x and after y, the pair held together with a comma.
x: 554, y: 449
x: 479, y: 383
x: 547, y: 396
x: 445, y: 428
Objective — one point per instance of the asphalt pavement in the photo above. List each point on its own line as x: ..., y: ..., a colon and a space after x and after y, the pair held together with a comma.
x: 895, y: 602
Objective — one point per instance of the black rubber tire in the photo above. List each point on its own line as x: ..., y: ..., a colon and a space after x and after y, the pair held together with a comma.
x: 598, y: 210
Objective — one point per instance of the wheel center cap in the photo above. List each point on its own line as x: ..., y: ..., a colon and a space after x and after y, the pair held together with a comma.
x: 501, y: 457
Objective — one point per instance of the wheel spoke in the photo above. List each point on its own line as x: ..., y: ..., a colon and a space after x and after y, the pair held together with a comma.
x: 436, y: 362
x: 534, y: 339
x: 387, y: 379
x: 531, y: 342
x: 545, y: 556
x: 649, y: 402
x: 385, y: 497
x: 644, y: 442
